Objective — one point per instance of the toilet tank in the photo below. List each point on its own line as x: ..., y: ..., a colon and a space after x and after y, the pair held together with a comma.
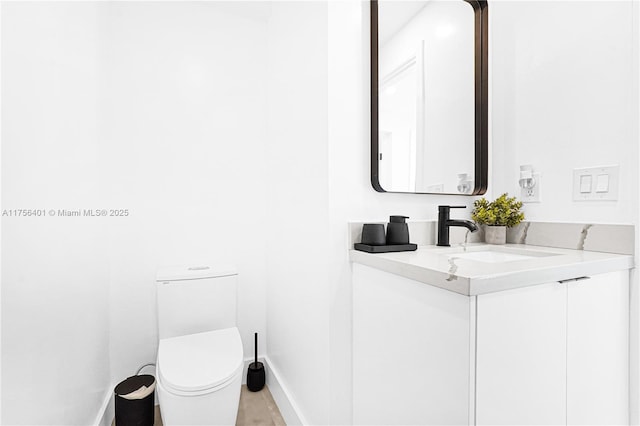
x: 197, y: 298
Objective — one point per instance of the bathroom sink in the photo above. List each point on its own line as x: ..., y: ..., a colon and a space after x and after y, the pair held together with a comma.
x: 497, y: 254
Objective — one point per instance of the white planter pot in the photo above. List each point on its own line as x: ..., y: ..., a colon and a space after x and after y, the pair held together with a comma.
x: 495, y: 234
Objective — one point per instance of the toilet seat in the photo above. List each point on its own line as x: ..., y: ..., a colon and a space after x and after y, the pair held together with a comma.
x: 200, y: 363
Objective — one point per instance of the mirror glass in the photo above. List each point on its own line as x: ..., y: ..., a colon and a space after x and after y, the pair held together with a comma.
x: 428, y: 110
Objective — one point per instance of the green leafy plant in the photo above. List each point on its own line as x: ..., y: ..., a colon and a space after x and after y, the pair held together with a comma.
x: 503, y: 211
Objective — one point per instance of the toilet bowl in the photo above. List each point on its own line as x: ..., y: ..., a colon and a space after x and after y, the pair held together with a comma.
x: 199, y: 378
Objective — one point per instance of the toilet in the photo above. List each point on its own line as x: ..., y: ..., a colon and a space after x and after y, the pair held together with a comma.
x: 200, y: 360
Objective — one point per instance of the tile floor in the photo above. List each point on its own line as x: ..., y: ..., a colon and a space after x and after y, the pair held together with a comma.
x: 256, y: 409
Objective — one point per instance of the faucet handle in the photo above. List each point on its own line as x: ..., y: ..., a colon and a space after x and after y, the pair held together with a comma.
x: 445, y: 208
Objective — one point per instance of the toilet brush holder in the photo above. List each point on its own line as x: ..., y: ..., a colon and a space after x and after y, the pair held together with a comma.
x: 255, y: 376
x: 255, y: 373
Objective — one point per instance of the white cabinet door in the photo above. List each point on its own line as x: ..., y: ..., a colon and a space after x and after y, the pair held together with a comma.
x: 411, y: 351
x: 521, y: 356
x: 598, y: 350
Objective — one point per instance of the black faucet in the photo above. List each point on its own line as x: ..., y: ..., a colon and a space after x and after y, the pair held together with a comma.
x: 444, y: 222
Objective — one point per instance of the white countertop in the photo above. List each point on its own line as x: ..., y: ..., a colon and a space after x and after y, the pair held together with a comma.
x: 440, y: 266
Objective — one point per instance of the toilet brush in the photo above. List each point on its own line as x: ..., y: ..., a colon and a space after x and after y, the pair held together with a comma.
x: 255, y: 373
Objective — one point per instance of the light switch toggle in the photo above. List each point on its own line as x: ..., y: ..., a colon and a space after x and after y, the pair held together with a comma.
x: 598, y: 183
x: 585, y: 184
x: 602, y: 183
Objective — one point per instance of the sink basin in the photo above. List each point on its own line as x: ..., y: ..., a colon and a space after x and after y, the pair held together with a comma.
x: 498, y: 255
x: 491, y: 256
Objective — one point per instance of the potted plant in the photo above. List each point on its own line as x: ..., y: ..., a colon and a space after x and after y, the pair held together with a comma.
x: 497, y: 215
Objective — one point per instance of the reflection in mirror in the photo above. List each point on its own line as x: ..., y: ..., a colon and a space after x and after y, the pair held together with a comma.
x: 428, y: 128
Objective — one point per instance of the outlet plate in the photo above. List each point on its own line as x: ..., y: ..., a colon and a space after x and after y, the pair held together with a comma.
x: 598, y: 183
x: 531, y: 195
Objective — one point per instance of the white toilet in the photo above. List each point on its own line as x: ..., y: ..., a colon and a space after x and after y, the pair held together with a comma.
x: 200, y: 360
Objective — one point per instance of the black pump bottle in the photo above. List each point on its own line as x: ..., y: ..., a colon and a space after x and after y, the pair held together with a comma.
x: 397, y: 230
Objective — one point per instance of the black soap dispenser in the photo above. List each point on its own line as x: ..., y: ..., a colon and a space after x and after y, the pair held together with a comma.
x: 397, y: 230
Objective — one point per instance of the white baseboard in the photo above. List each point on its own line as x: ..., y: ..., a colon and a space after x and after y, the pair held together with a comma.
x: 287, y: 405
x: 107, y: 413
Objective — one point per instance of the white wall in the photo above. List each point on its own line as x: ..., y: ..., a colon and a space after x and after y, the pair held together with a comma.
x: 298, y: 208
x: 561, y: 100
x: 55, y: 329
x: 186, y: 154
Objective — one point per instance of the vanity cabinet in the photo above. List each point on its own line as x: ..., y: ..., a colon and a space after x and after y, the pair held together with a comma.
x: 411, y: 346
x: 554, y: 353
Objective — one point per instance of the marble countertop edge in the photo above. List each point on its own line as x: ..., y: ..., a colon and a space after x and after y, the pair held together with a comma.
x: 471, y: 278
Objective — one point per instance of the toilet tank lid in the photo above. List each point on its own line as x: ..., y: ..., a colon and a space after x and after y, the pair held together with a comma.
x: 194, y: 272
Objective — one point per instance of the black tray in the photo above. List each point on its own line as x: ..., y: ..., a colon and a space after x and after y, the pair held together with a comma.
x: 385, y: 249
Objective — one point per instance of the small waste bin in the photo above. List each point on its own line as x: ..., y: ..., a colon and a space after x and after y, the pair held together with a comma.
x: 135, y: 397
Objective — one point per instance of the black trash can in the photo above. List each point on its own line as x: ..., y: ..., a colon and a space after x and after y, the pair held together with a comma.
x: 135, y: 397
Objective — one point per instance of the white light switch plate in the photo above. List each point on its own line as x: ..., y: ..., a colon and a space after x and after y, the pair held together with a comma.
x: 603, y: 183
